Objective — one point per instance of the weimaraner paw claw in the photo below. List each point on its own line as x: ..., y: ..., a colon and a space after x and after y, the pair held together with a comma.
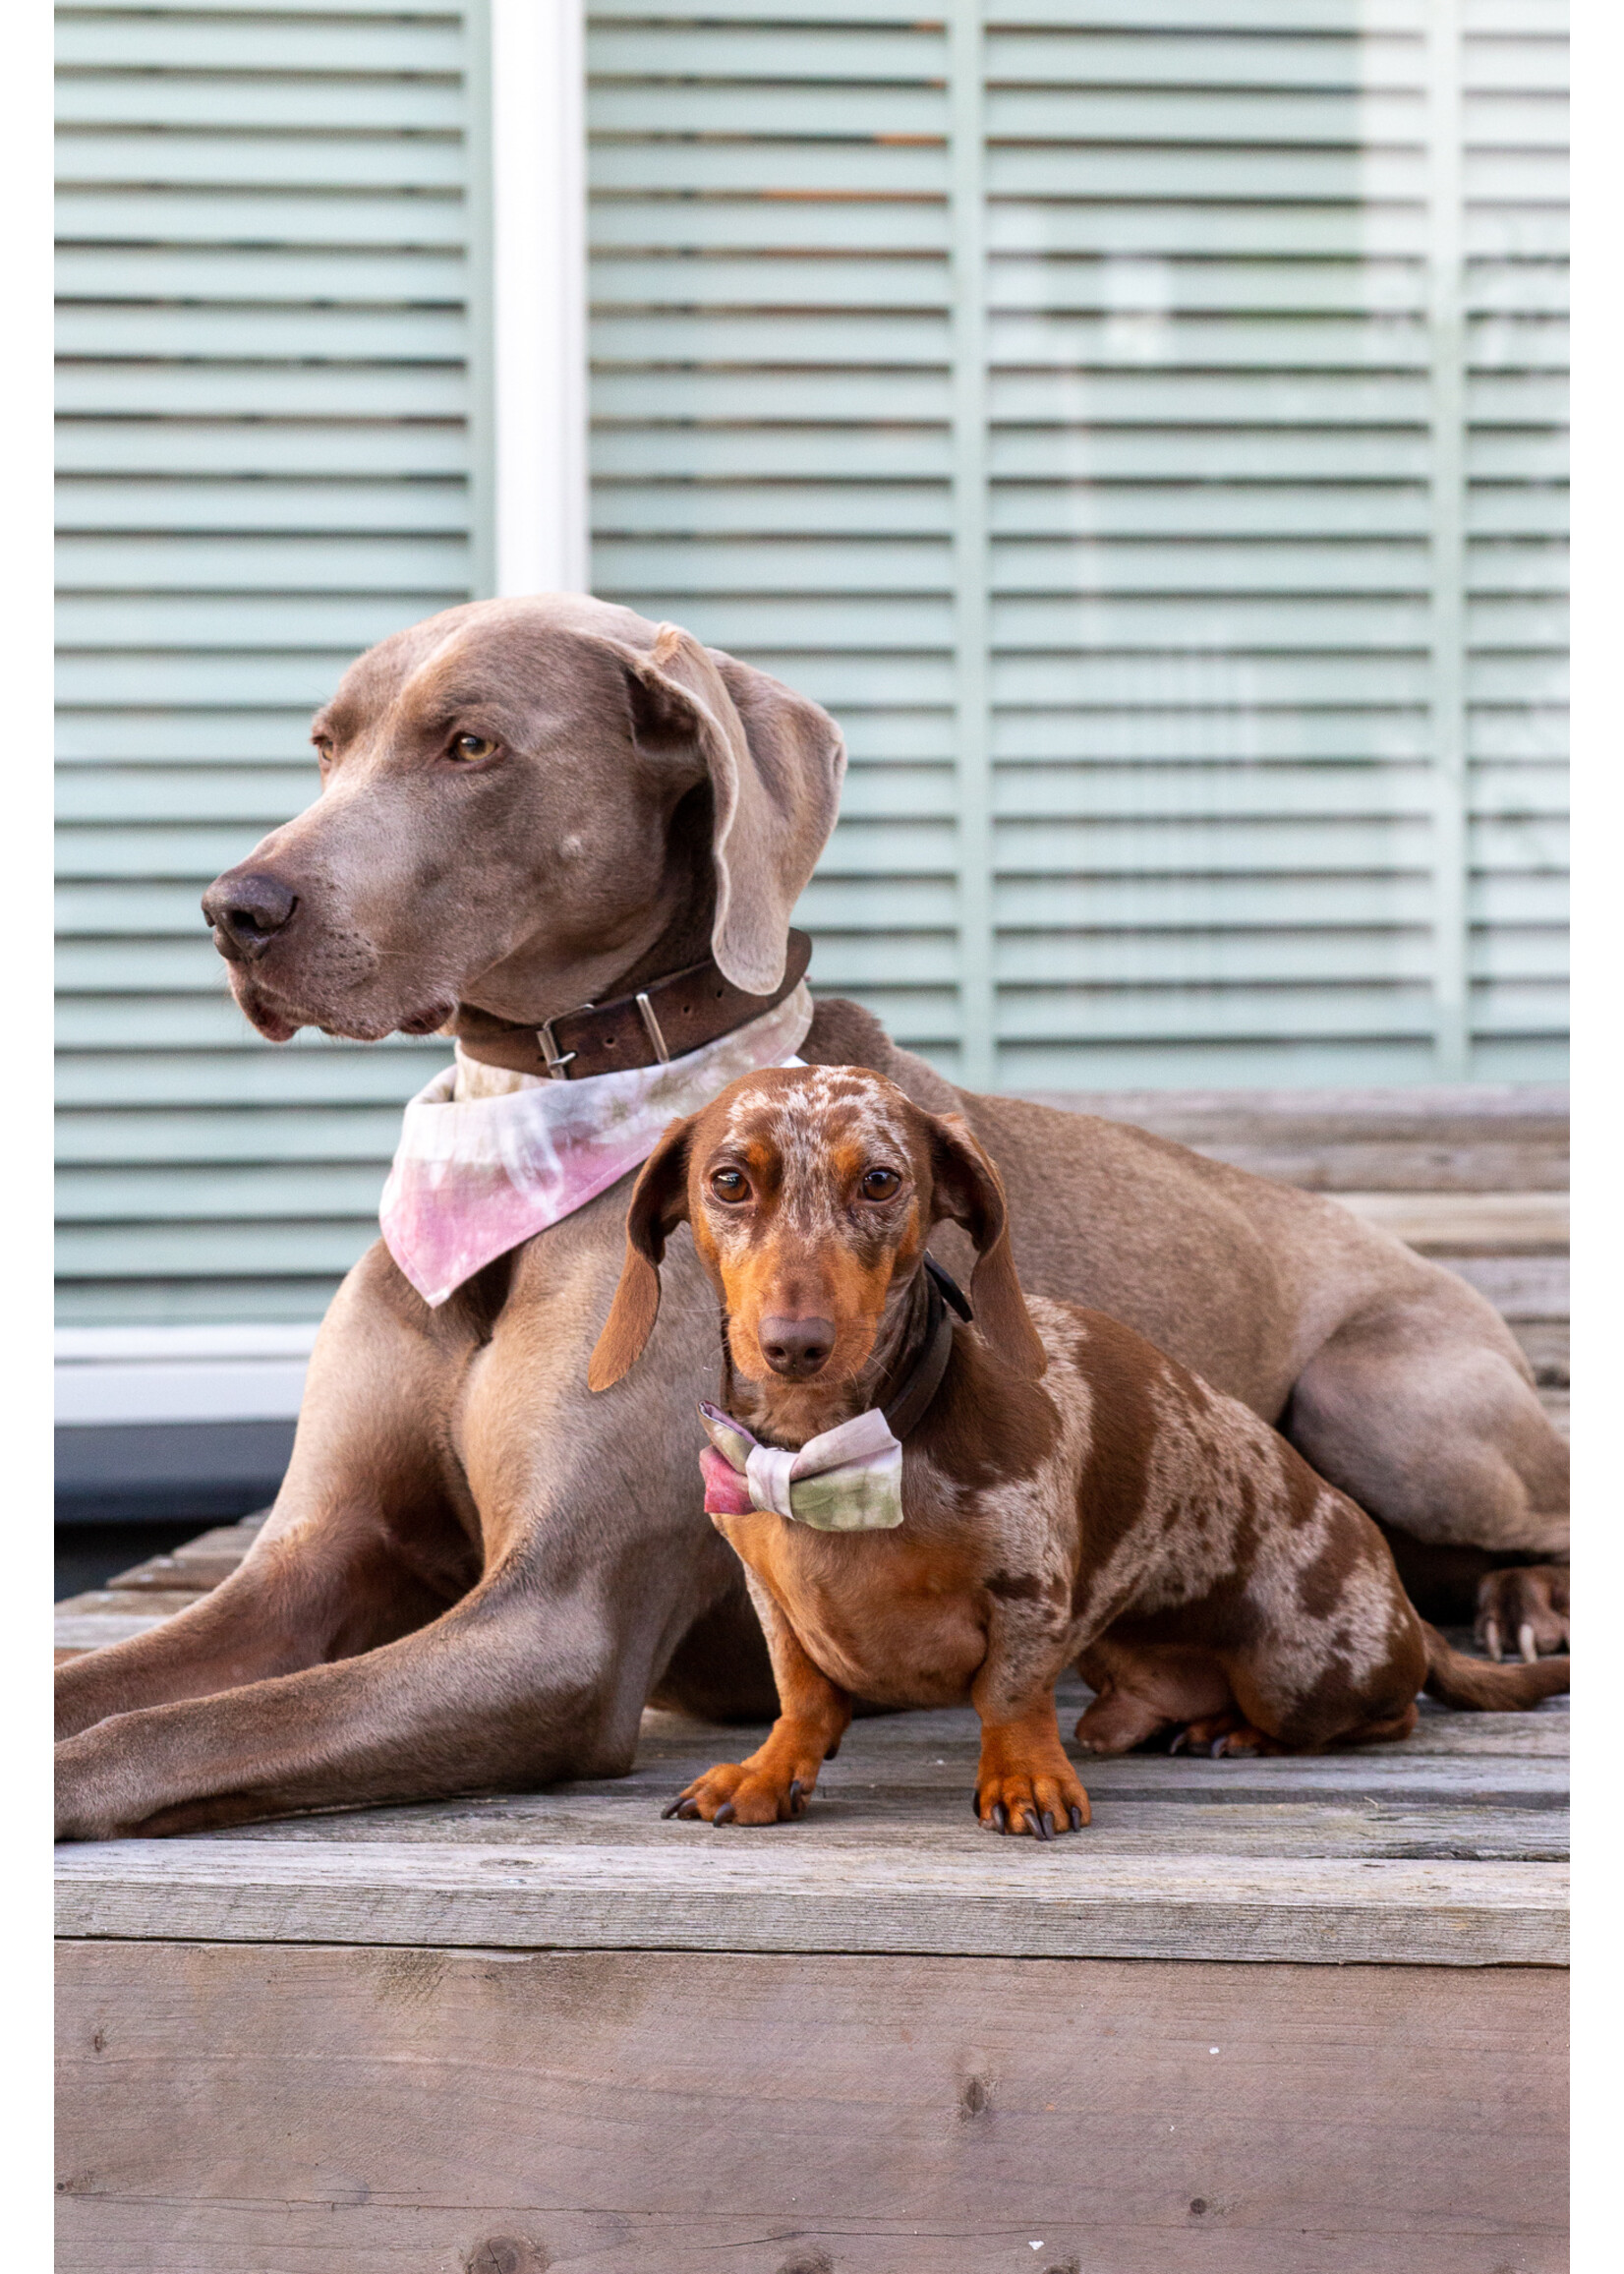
x: 1530, y: 1605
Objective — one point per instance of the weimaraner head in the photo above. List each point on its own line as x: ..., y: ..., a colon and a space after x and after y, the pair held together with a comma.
x: 520, y: 799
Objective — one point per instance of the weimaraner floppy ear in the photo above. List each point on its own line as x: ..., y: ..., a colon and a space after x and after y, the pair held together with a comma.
x: 775, y: 764
x: 970, y: 1189
x: 658, y: 1204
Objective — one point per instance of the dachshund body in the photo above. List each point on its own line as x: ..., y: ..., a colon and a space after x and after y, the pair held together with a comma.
x: 1069, y: 1494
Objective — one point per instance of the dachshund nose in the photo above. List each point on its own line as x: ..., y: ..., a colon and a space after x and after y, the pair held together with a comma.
x: 247, y: 911
x: 797, y: 1347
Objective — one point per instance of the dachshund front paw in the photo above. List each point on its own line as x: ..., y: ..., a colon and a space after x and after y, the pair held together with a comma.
x: 1041, y: 1803
x: 741, y: 1792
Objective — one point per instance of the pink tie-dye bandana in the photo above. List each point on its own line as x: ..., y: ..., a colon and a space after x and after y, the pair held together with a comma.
x: 473, y: 1177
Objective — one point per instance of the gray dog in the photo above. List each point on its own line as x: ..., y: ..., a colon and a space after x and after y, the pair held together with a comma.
x: 477, y: 1573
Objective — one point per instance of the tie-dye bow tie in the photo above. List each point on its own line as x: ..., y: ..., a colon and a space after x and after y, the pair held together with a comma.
x: 848, y: 1480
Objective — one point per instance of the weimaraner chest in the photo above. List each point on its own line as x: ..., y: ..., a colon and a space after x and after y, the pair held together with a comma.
x: 477, y: 1573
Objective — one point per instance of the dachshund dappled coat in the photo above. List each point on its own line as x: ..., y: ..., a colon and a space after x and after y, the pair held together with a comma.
x: 931, y: 1511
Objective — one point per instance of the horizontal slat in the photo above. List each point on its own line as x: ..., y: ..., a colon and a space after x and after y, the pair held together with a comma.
x: 231, y: 1297
x: 235, y: 623
x: 282, y: 1250
x: 164, y: 1136
x: 227, y: 333
x: 195, y: 39
x: 1252, y: 845
x: 305, y: 1070
x: 1200, y: 793
x: 1041, y: 340
x: 822, y: 565
x: 1092, y: 283
x: 312, y: 1192
x: 405, y: 451
x: 192, y: 795
x: 1218, y: 1014
x: 271, y: 100
x: 262, y: 391
x: 220, y: 273
x: 263, y: 562
x: 89, y: 505
x: 230, y: 214
x: 1277, y: 510
x: 318, y: 162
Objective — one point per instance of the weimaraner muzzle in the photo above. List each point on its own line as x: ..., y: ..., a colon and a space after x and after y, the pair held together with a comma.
x: 477, y: 1573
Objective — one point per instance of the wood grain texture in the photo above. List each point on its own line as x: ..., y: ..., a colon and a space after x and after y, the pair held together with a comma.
x: 1467, y: 1223
x: 232, y: 2110
x: 1446, y: 1849
x: 1481, y: 1140
x: 743, y: 1896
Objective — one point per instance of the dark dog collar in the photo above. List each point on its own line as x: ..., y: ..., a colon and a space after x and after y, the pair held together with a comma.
x: 665, y: 1019
x: 907, y: 1408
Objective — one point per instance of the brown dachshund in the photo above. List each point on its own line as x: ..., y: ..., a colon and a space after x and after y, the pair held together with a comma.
x: 928, y: 1511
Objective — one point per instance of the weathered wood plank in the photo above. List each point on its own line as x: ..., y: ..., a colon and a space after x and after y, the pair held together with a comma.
x: 1011, y: 1899
x: 197, y: 1564
x: 1544, y: 1344
x: 1467, y: 1223
x: 1519, y: 1287
x: 342, y: 2110
x: 908, y: 1824
x: 1493, y: 1139
x: 88, y: 1622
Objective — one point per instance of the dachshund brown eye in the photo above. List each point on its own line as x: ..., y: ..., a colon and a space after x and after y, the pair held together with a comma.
x: 729, y: 1185
x: 880, y: 1184
x: 472, y: 747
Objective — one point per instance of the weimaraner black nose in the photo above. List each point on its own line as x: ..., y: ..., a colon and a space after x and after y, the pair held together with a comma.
x: 247, y: 911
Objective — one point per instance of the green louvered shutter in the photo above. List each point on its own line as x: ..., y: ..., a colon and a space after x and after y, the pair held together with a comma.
x: 1141, y: 423
x: 271, y: 232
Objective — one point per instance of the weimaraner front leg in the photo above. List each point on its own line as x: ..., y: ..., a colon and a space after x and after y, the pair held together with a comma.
x: 600, y: 1560
x: 360, y: 1547
x: 541, y: 1671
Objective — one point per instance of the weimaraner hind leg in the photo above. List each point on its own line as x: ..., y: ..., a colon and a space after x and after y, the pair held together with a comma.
x: 1463, y: 1452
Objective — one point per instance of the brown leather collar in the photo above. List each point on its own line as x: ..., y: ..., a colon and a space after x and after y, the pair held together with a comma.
x: 665, y: 1020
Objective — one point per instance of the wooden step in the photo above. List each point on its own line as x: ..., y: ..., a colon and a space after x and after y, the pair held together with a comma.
x: 1467, y: 1224
x: 1465, y: 1139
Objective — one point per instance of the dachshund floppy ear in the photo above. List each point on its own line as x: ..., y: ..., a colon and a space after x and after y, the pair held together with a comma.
x: 970, y: 1189
x: 658, y: 1204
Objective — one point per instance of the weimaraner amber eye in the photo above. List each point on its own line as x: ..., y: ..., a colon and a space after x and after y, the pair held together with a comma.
x: 881, y: 1184
x: 472, y: 747
x: 729, y: 1185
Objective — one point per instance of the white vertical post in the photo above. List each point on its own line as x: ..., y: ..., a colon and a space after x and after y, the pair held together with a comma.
x: 1451, y: 771
x: 538, y: 166
x: 977, y: 1067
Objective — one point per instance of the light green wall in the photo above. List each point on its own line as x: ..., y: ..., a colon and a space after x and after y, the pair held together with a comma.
x: 1139, y: 422
x: 273, y: 335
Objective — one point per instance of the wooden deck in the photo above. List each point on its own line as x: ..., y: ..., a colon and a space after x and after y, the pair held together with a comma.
x: 1283, y: 2017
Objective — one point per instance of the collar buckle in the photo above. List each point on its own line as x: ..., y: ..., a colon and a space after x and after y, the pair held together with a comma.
x: 557, y: 1060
